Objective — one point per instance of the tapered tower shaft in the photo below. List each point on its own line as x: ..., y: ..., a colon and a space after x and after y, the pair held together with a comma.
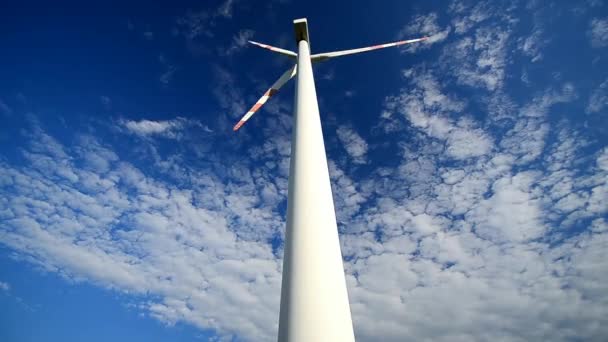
x: 314, y: 299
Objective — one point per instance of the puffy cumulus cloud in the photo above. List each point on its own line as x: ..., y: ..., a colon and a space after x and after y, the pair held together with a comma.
x: 598, y: 32
x: 466, y: 143
x: 511, y: 214
x: 354, y: 145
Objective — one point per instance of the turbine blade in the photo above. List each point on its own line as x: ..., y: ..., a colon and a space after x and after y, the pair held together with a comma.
x: 327, y: 55
x: 287, y: 53
x: 289, y: 74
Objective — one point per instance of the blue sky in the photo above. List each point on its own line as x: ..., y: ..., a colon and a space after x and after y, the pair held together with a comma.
x: 469, y: 172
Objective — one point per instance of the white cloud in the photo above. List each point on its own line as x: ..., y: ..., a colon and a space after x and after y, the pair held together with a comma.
x: 106, y: 102
x: 172, y: 129
x: 510, y: 215
x: 532, y: 45
x: 147, y: 127
x: 467, y: 143
x: 4, y: 286
x: 493, y: 255
x: 196, y: 24
x: 347, y: 196
x: 239, y: 41
x: 526, y: 139
x: 167, y: 76
x: 96, y: 157
x: 229, y: 94
x: 355, y: 146
x: 426, y: 107
x: 466, y: 18
x: 480, y: 57
x: 423, y: 25
x: 541, y: 103
x: 598, y: 99
x: 329, y: 75
x: 226, y: 8
x: 479, y: 60
x: 598, y: 32
x: 602, y: 160
x: 5, y: 109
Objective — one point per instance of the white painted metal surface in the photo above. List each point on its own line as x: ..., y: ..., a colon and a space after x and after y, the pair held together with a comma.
x: 314, y: 299
x: 327, y: 55
x: 287, y: 53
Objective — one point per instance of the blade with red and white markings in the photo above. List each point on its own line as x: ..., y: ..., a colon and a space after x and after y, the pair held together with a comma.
x: 327, y: 55
x: 289, y: 74
x: 287, y: 53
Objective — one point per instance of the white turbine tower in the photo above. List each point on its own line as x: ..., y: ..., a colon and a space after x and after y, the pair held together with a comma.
x: 314, y: 300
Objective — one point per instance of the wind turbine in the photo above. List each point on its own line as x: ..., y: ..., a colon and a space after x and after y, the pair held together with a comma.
x: 314, y: 299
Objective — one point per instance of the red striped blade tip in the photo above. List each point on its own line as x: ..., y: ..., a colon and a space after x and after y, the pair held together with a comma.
x: 238, y: 125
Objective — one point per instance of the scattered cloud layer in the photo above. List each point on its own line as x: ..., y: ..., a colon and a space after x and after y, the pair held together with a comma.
x: 89, y: 215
